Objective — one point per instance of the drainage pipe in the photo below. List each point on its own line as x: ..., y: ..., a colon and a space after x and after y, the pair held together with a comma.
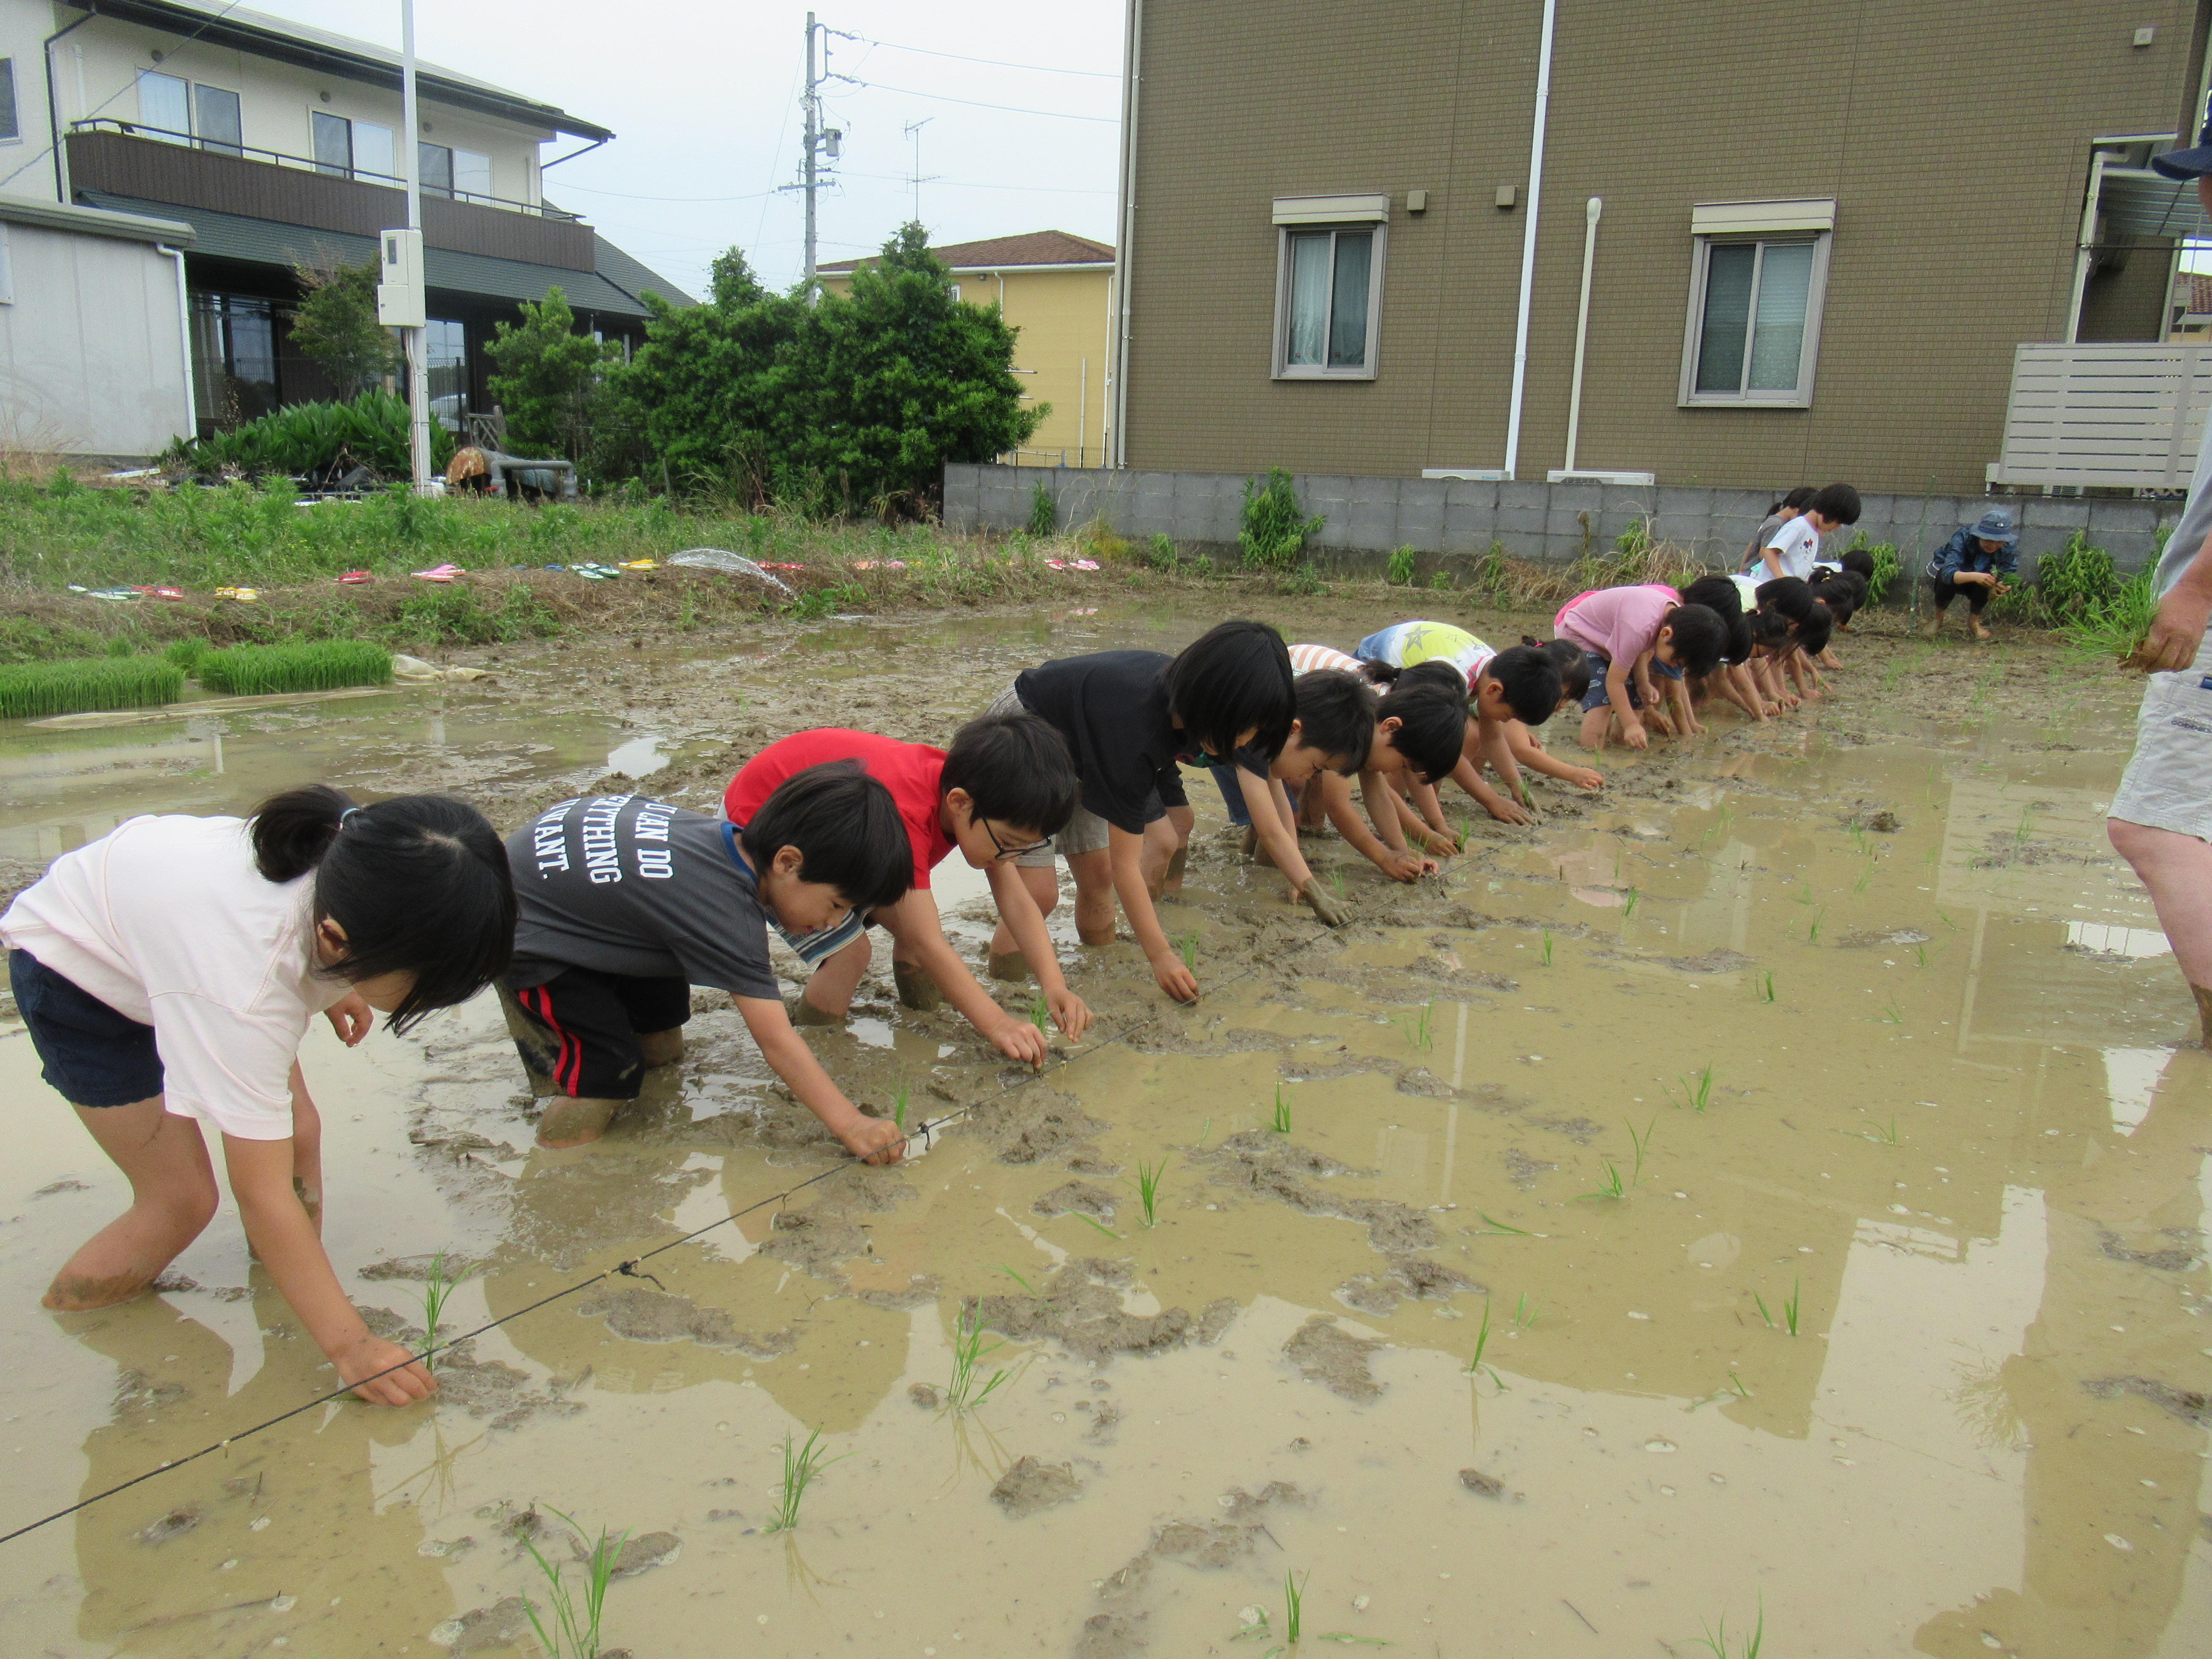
x: 1115, y: 439
x: 1528, y: 238
x: 1591, y: 209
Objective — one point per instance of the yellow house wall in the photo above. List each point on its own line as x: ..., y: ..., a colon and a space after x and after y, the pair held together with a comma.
x: 1066, y: 322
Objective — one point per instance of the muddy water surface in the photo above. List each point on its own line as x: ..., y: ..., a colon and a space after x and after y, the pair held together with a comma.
x: 1894, y: 1329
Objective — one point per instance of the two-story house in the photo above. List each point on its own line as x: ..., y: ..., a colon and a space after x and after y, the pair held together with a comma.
x: 140, y: 139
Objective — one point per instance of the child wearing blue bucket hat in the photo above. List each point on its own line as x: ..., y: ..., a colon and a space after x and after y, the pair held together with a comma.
x: 1972, y: 565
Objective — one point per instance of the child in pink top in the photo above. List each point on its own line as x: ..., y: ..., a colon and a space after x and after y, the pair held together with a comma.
x: 1630, y: 631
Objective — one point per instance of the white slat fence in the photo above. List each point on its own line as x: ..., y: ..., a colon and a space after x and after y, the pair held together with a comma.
x: 2122, y: 415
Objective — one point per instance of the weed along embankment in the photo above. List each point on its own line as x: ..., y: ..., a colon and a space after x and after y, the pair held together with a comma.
x: 1768, y: 1187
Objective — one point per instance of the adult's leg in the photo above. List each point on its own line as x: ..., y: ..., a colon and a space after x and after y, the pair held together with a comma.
x: 1977, y: 595
x: 1941, y: 592
x: 173, y: 1199
x: 2176, y: 869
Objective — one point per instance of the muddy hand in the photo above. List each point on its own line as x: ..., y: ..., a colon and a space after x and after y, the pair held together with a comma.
x: 1019, y: 1039
x: 1506, y: 812
x: 1331, y: 910
x: 1069, y: 1012
x: 1583, y: 777
x: 358, y: 1366
x: 1633, y: 734
x: 1441, y: 842
x: 351, y: 1018
x: 873, y: 1139
x: 1175, y: 978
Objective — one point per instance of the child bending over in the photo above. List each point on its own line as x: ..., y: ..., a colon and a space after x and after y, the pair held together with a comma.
x: 1333, y: 731
x: 1630, y: 633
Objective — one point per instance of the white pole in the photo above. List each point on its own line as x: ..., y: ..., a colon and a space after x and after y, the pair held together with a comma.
x: 1083, y: 417
x: 418, y: 389
x: 1116, y: 437
x: 2081, y: 254
x: 1591, y: 209
x: 812, y: 140
x: 1528, y: 238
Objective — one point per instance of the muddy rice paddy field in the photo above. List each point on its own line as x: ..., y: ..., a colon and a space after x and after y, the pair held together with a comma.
x: 1894, y: 1335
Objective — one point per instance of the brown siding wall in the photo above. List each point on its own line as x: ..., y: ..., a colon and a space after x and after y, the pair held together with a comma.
x: 155, y: 171
x: 1955, y: 139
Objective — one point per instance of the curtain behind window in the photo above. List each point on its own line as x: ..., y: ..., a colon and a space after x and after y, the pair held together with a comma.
x: 1307, y: 335
x: 162, y: 105
x: 1348, y: 316
x: 217, y: 122
x: 1777, y: 343
x: 1727, y: 316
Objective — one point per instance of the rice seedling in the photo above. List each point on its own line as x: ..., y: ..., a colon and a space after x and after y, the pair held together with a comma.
x: 1293, y: 1606
x: 31, y: 690
x: 1612, y: 1186
x: 1805, y: 897
x: 1187, y: 944
x: 1337, y: 885
x: 1148, y: 1189
x: 1883, y: 1138
x: 1697, y: 1092
x: 1281, y: 1123
x: 1857, y: 833
x: 321, y: 666
x: 1419, y: 1026
x: 1205, y: 1129
x: 1628, y: 900
x: 1040, y: 1015
x: 437, y: 1286
x: 1467, y: 826
x: 1736, y: 1382
x: 1891, y: 1013
x: 1715, y: 1641
x: 1017, y: 1279
x: 1920, y: 955
x: 1812, y: 928
x: 1094, y: 1222
x: 574, y: 1633
x: 1788, y: 1309
x: 1475, y: 1365
x: 1642, y: 1145
x: 1497, y: 1226
x: 1524, y: 1314
x: 966, y: 1390
x: 1946, y: 921
x: 1866, y: 875
x: 2022, y: 831
x: 898, y: 1108
x: 1766, y: 986
x: 801, y: 1463
x: 1935, y: 859
x: 1547, y: 947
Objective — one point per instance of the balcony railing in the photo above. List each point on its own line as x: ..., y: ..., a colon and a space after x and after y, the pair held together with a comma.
x: 2123, y: 416
x: 328, y: 169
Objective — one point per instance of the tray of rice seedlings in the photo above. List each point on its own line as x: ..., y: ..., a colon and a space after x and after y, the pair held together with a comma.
x: 75, y: 686
x: 246, y: 671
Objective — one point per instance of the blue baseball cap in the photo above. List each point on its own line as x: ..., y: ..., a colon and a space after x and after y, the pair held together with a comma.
x: 2188, y: 163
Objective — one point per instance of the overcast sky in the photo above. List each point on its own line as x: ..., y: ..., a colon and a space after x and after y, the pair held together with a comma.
x: 703, y: 97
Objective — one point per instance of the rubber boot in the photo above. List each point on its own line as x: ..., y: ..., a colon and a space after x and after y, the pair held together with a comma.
x: 569, y: 1122
x: 916, y: 989
x: 1009, y: 965
x: 661, y: 1048
x: 803, y: 1013
x: 2205, y: 1012
x: 533, y: 1045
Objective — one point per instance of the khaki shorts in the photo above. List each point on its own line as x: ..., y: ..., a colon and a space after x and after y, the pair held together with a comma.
x: 2168, y: 782
x: 1086, y: 831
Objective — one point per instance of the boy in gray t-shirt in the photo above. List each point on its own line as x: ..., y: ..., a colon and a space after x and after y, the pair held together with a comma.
x: 625, y: 904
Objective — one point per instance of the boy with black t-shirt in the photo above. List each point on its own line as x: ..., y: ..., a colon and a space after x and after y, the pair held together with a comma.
x: 625, y: 904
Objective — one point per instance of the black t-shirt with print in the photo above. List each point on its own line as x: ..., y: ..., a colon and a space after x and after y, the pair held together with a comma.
x: 624, y: 884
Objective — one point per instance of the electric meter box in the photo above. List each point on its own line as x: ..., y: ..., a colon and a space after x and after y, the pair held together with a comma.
x: 399, y: 298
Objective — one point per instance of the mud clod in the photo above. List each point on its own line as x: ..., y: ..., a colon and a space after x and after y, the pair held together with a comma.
x: 1214, y: 1320
x: 1332, y: 1357
x: 1081, y: 1309
x: 924, y: 1397
x: 2170, y: 1261
x: 2186, y: 1404
x: 641, y: 1314
x: 641, y: 1554
x: 1076, y: 1197
x: 504, y: 1624
x: 1031, y: 1485
x: 1524, y: 1170
x: 64, y: 1185
x: 177, y: 1522
x: 1481, y: 1485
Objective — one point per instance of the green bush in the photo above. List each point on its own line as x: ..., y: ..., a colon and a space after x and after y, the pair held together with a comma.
x: 1044, y: 511
x: 1274, y: 529
x: 325, y: 666
x: 186, y: 652
x: 370, y: 431
x: 2112, y: 628
x: 1161, y: 555
x: 29, y: 690
x: 2075, y: 581
x: 1400, y: 574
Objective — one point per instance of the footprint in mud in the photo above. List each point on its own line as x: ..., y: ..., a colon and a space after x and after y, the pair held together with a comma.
x: 1026, y: 1124
x: 828, y: 1231
x: 643, y: 1315
x: 1117, y: 1630
x: 1262, y: 1162
x: 1076, y: 1198
x: 1410, y: 1275
x: 1326, y: 1354
x: 1030, y: 1486
x: 1081, y: 1309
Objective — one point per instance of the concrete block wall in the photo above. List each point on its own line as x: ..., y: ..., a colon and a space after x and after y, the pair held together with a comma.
x: 1368, y: 518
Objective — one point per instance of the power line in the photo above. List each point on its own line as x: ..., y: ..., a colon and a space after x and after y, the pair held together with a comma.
x: 633, y: 196
x: 995, y: 63
x: 974, y: 103
x: 964, y: 184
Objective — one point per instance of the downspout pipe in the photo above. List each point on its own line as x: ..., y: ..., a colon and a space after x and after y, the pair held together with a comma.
x: 1528, y: 238
x: 1591, y: 211
x: 191, y: 427
x: 54, y: 108
x: 2086, y: 252
x: 1132, y: 46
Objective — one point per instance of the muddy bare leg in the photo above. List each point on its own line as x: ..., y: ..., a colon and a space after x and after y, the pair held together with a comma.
x: 173, y: 1198
x: 1007, y: 961
x: 830, y: 990
x: 1094, y: 896
x: 2176, y: 869
x: 661, y: 1048
x: 573, y: 1121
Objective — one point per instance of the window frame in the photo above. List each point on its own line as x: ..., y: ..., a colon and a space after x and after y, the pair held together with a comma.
x: 218, y: 146
x: 14, y: 133
x: 1283, y: 368
x: 1693, y: 329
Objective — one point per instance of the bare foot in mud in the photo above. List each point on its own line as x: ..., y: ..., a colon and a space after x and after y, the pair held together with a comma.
x: 73, y: 1293
x: 572, y: 1122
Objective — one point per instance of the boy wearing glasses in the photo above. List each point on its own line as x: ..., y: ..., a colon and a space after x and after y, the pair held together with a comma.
x: 1004, y: 788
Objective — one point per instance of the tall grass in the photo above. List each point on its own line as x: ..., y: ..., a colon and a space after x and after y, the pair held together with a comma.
x: 2110, y: 628
x: 324, y: 666
x: 32, y: 690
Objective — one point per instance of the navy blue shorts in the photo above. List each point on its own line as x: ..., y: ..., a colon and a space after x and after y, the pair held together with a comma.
x: 93, y: 1054
x: 1594, y: 697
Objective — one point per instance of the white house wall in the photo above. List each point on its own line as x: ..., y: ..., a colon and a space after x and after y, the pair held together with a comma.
x: 23, y: 25
x: 95, y: 75
x: 91, y: 346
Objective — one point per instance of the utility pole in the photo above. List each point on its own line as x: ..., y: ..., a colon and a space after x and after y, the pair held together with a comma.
x: 812, y: 106
x: 419, y: 385
x: 913, y: 129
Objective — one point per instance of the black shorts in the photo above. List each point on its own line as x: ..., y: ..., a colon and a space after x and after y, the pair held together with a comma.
x: 591, y: 1021
x: 93, y: 1054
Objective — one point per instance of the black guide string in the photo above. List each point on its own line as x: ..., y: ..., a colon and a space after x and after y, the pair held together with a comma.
x: 926, y: 1130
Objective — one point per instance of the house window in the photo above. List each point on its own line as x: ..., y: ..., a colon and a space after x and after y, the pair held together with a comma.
x: 1757, y: 280
x: 471, y: 176
x: 437, y: 164
x: 1328, y: 286
x: 215, y: 121
x: 446, y: 361
x: 163, y: 105
x: 353, y: 149
x: 9, y: 129
x: 373, y: 153
x: 233, y: 359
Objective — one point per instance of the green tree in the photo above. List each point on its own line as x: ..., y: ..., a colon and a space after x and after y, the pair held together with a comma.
x: 697, y: 407
x: 549, y: 378
x: 336, y: 324
x: 894, y: 379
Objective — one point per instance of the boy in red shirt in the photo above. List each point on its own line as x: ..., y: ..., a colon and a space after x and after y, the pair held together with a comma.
x: 1005, y: 788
